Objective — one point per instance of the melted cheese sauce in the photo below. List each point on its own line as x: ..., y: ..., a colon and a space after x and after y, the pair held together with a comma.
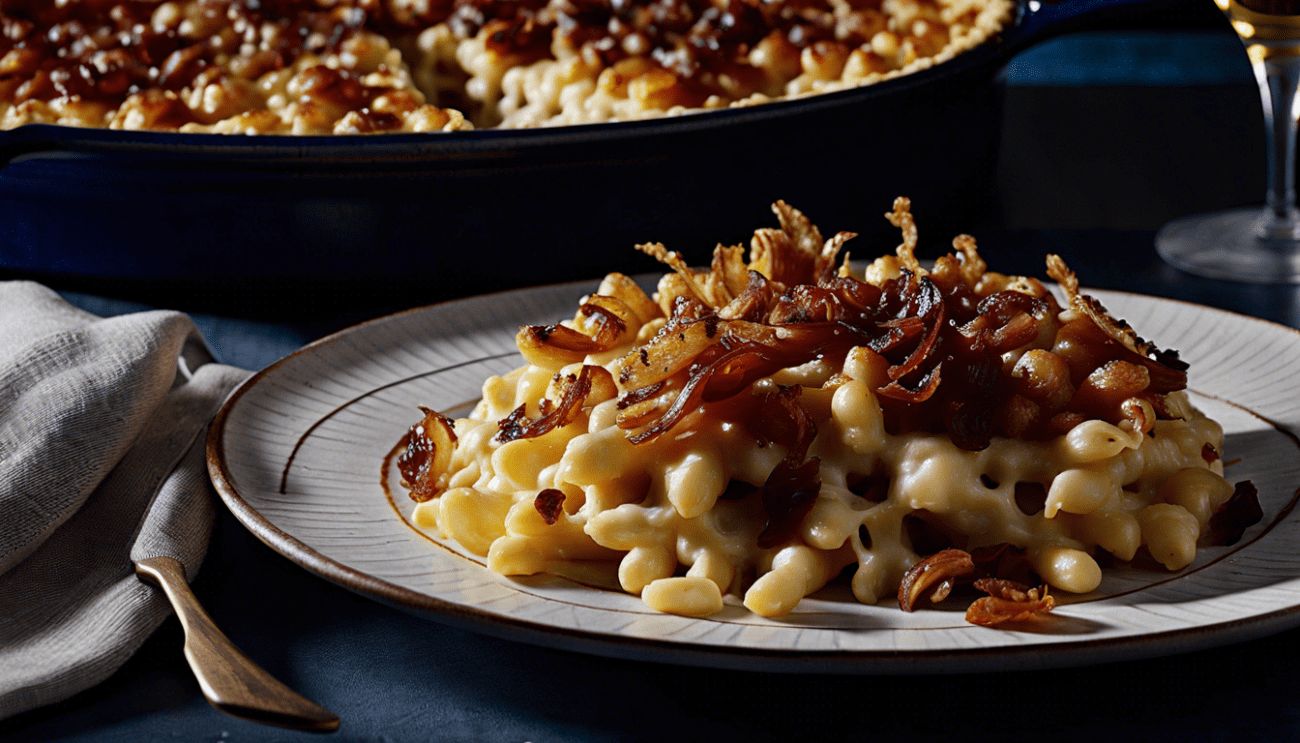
x: 658, y: 508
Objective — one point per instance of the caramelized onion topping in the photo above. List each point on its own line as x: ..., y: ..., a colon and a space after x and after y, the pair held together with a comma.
x: 945, y: 346
x: 106, y: 50
x: 561, y: 337
x: 606, y: 314
x: 793, y: 485
x: 1240, y: 512
x: 518, y: 425
x: 637, y: 396
x: 933, y: 572
x: 1008, y: 600
x: 788, y: 496
x: 424, y: 463
x: 1209, y: 453
x: 550, y: 504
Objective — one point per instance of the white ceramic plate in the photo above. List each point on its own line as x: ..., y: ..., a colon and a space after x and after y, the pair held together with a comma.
x: 296, y: 454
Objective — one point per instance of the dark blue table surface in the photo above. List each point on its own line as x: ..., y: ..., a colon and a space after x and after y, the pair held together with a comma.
x: 392, y: 677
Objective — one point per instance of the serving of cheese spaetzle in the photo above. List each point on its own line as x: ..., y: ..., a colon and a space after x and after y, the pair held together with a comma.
x: 762, y: 426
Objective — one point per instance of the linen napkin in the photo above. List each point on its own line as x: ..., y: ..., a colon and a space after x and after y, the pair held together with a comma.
x: 102, y: 425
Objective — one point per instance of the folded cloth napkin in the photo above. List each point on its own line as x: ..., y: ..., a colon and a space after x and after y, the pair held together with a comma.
x: 101, y: 463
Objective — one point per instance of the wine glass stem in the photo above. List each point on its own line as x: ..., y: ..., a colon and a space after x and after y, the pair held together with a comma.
x: 1279, y: 77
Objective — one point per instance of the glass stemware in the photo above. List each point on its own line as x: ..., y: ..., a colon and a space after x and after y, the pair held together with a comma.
x: 1253, y: 244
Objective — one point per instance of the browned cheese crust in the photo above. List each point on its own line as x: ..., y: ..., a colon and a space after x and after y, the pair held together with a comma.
x: 366, y: 66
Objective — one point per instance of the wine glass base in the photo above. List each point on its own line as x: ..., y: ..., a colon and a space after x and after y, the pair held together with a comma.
x: 1229, y: 245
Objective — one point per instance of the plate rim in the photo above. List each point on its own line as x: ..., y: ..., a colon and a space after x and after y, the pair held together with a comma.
x: 1036, y: 656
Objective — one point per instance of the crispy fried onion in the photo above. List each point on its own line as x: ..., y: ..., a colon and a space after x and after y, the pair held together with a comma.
x: 901, y: 217
x: 937, y: 574
x: 427, y: 458
x: 1008, y: 601
x: 689, y: 279
x: 1116, y: 329
x: 575, y: 388
x: 944, y: 341
x: 795, y: 254
x: 792, y: 255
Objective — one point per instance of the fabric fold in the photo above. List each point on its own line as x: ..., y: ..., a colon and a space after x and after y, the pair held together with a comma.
x: 102, y: 427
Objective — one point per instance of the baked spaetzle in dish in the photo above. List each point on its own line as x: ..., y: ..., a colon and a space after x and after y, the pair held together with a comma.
x: 372, y: 66
x: 761, y: 426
